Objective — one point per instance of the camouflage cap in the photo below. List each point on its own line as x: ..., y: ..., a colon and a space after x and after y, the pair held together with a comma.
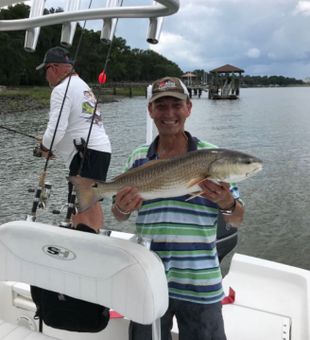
x: 169, y: 87
x: 55, y: 55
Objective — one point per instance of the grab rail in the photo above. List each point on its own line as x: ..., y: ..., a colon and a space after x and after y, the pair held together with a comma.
x: 72, y: 13
x: 158, y: 9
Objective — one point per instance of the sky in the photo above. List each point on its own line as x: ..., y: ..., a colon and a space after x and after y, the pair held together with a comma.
x: 263, y: 37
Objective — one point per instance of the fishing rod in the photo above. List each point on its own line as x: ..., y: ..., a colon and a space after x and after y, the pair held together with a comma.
x: 37, y: 152
x: 102, y: 78
x: 17, y: 132
x: 42, y: 193
x: 81, y: 145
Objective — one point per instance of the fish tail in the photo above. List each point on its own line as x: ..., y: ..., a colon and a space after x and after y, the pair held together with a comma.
x: 86, y: 196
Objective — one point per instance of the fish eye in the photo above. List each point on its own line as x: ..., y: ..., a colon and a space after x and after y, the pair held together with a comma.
x: 248, y: 161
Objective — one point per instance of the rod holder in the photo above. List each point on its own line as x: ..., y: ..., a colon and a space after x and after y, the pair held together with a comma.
x: 155, y: 26
x: 109, y: 24
x: 68, y: 28
x: 32, y: 34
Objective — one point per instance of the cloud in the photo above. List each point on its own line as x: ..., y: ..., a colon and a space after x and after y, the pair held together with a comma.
x: 178, y: 48
x: 253, y: 53
x: 303, y: 7
x: 259, y: 36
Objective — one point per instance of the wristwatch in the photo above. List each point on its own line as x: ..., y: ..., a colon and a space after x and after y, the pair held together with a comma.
x: 230, y: 210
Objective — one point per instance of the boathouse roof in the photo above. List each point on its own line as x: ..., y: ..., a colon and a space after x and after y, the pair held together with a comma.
x: 227, y: 69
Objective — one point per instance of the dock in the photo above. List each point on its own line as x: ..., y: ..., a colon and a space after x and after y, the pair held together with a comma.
x: 124, y: 88
x: 128, y: 88
x: 194, y: 84
x: 224, y: 82
x: 220, y: 83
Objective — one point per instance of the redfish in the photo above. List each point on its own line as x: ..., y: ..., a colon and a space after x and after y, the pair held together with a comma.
x: 172, y: 177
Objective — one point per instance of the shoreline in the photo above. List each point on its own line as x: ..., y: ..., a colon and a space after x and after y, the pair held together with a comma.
x: 20, y: 100
x: 14, y: 104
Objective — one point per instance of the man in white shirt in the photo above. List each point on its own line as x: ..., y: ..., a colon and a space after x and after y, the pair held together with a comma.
x: 70, y: 122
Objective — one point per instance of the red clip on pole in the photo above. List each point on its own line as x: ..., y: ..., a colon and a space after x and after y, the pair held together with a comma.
x: 102, y: 78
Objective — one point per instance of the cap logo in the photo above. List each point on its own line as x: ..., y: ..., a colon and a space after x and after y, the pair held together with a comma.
x: 166, y: 85
x: 170, y: 87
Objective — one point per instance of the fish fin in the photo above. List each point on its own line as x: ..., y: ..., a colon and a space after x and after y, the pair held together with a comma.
x: 196, y: 194
x: 191, y: 183
x: 85, y: 193
x: 195, y: 181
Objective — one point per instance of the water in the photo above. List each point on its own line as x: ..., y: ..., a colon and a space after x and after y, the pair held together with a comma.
x: 270, y: 123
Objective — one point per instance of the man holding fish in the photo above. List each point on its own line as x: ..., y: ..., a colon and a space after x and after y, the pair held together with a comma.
x: 182, y: 226
x: 179, y: 185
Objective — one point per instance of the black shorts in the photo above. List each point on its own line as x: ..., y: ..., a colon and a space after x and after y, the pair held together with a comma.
x: 95, y: 166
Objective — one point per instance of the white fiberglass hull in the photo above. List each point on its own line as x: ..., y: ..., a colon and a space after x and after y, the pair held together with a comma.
x: 272, y: 300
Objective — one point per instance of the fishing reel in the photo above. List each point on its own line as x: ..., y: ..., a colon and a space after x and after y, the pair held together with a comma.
x: 37, y: 151
x: 41, y: 196
x: 45, y: 195
x: 70, y: 208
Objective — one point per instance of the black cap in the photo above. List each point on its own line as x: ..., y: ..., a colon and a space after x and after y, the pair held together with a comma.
x: 55, y: 55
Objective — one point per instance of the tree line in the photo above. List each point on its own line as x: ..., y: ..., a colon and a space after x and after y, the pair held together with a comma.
x: 17, y: 67
x: 253, y: 81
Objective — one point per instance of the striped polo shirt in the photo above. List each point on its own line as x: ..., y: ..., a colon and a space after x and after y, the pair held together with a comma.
x: 183, y: 234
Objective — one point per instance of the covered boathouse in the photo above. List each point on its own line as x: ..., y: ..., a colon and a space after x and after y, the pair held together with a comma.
x: 224, y: 82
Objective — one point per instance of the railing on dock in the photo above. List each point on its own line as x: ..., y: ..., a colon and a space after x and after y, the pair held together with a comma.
x: 121, y: 88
